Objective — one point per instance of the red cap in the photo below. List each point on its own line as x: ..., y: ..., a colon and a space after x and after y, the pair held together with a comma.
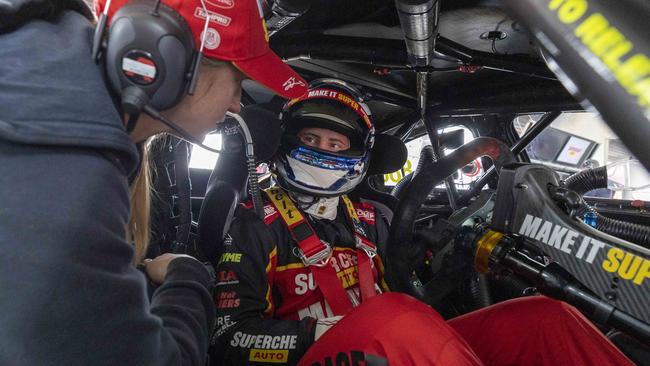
x: 237, y: 33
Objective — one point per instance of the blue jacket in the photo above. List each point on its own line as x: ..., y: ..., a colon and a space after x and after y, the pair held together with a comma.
x: 68, y: 292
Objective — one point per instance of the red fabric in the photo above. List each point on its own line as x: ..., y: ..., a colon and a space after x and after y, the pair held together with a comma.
x: 393, y: 328
x: 536, y: 331
x: 236, y: 32
x: 396, y: 329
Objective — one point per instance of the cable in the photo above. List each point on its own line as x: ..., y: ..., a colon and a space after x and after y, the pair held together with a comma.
x: 258, y: 204
x: 181, y: 132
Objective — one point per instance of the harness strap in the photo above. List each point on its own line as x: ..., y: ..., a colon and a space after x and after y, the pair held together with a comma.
x: 314, y: 252
x: 366, y: 251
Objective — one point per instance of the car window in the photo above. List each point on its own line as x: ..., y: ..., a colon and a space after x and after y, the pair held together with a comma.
x: 579, y: 140
x: 462, y: 178
x: 202, y: 158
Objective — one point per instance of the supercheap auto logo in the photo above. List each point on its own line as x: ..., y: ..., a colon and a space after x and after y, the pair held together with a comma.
x: 265, y: 348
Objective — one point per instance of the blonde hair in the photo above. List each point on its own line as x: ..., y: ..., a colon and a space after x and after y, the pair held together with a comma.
x: 139, y: 229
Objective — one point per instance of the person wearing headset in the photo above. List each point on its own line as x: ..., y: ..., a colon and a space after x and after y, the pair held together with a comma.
x: 304, y: 284
x: 73, y: 109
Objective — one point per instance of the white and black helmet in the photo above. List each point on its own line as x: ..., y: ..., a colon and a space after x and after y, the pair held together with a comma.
x: 334, y: 105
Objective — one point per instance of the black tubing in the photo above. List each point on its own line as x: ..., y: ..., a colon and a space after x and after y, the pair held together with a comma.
x: 426, y: 156
x: 587, y: 180
x: 634, y: 233
x: 480, y: 290
x: 590, y: 179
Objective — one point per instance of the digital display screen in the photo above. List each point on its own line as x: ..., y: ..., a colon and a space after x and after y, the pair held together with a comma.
x: 557, y: 146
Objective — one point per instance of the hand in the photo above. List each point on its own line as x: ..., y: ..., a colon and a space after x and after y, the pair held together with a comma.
x: 157, y: 268
x: 323, y: 325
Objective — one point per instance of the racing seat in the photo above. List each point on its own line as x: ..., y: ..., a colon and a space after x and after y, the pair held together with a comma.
x: 227, y: 185
x: 225, y: 189
x: 388, y: 155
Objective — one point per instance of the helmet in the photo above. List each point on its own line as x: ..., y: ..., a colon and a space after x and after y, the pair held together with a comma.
x: 333, y: 105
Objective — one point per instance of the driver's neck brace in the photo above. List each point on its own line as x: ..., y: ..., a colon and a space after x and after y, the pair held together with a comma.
x: 318, y: 207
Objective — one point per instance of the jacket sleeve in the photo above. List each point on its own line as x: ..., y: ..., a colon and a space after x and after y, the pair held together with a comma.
x: 75, y: 298
x: 245, y: 333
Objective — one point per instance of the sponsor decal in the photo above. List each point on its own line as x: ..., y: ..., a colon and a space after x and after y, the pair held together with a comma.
x: 230, y: 258
x: 212, y: 38
x: 227, y: 278
x: 223, y: 323
x: 223, y: 4
x: 343, y: 98
x: 217, y: 18
x: 291, y: 82
x: 628, y: 266
x: 613, y: 51
x: 228, y: 300
x: 270, y: 356
x: 559, y: 237
x: 352, y: 358
x: 367, y: 216
x: 317, y: 310
x: 262, y: 341
x: 284, y: 205
x: 345, y: 266
x: 139, y: 67
x: 269, y: 210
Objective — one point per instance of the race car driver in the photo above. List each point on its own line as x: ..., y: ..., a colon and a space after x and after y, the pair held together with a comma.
x: 304, y: 285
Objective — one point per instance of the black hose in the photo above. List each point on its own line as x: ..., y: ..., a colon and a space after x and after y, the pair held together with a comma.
x: 587, y: 180
x: 480, y: 291
x: 590, y: 179
x: 253, y: 185
x: 634, y: 233
x: 426, y: 156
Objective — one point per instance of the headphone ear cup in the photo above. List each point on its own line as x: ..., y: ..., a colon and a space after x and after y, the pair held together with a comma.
x: 152, y: 53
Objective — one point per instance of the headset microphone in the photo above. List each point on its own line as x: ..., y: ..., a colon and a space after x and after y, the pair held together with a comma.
x: 181, y: 132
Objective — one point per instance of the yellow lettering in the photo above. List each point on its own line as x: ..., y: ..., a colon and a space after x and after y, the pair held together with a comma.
x: 396, y: 177
x: 589, y: 30
x: 554, y: 4
x: 643, y: 273
x: 606, y: 41
x: 572, y: 10
x: 613, y: 257
x: 629, y: 266
x: 408, y: 166
x: 268, y: 356
x: 230, y: 257
x: 613, y: 57
x: 633, y: 69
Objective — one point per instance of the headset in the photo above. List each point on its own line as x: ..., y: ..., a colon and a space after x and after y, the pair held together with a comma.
x: 151, y: 59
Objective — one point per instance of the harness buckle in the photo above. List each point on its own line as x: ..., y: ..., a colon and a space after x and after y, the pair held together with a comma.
x: 369, y: 248
x: 319, y: 259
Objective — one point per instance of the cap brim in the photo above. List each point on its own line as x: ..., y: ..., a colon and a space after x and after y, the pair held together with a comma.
x: 270, y: 71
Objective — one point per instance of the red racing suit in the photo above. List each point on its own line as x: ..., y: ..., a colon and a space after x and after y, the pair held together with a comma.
x: 267, y: 300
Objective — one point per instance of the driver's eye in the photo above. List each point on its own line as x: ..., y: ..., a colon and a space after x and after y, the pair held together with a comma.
x: 335, y: 146
x: 310, y: 140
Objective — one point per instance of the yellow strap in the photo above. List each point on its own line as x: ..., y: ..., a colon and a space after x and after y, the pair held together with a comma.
x: 352, y: 212
x: 290, y: 214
